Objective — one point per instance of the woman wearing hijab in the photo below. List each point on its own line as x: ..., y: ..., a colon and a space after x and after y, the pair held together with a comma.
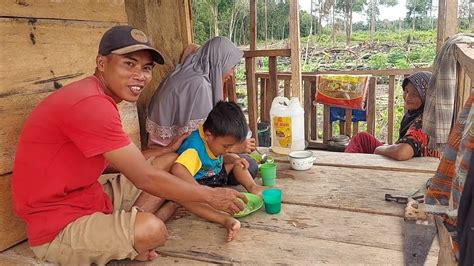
x: 412, y: 141
x: 185, y: 98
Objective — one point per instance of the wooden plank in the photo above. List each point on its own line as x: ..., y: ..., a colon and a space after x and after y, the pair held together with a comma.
x: 355, y: 128
x: 350, y: 189
x: 327, y: 129
x: 427, y: 165
x: 307, y: 109
x: 53, y: 53
x: 371, y: 106
x: 313, y: 116
x: 348, y: 122
x: 265, y: 243
x: 253, y: 25
x: 168, y: 25
x: 441, y: 34
x: 12, y: 228
x: 251, y: 95
x: 267, y: 53
x: 264, y: 115
x: 287, y: 89
x: 446, y: 256
x: 271, y: 88
x: 383, y: 72
x: 295, y: 49
x: 230, y: 91
x: 89, y: 10
x: 391, y: 106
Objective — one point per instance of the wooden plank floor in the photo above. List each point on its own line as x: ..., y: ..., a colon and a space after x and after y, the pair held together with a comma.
x: 331, y: 214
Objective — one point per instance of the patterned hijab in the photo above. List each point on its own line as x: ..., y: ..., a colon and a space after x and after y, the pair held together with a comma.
x: 184, y: 99
x: 421, y: 81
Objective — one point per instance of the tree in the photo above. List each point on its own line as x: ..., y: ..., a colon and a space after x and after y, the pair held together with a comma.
x: 417, y: 10
x: 373, y: 11
x: 347, y: 7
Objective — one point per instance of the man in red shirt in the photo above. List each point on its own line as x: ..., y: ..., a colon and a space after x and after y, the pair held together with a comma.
x: 66, y: 144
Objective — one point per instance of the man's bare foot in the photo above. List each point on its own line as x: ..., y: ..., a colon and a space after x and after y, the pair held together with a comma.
x: 233, y: 226
x: 147, y: 255
x: 257, y: 190
x: 167, y: 210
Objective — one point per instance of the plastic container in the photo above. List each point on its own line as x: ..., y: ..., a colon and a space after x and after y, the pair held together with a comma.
x: 268, y: 174
x: 263, y: 134
x: 287, y: 125
x: 272, y: 200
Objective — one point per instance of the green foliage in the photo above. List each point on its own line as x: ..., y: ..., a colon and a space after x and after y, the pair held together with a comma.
x: 378, y: 61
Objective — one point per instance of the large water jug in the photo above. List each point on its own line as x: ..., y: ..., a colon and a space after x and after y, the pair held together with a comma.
x: 287, y: 125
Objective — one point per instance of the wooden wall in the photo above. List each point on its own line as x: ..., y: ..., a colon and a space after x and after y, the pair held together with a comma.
x: 44, y: 45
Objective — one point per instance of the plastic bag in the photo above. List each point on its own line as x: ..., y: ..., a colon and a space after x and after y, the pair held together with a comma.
x: 346, y: 91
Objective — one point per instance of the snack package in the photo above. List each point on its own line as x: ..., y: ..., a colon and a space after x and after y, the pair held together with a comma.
x: 346, y: 91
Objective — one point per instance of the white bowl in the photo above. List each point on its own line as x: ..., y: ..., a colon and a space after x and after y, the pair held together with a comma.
x: 301, y: 160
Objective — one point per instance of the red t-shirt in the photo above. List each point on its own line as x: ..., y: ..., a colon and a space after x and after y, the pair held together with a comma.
x: 59, y: 158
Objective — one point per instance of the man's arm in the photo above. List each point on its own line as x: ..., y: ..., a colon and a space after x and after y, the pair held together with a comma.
x: 400, y: 152
x: 131, y: 162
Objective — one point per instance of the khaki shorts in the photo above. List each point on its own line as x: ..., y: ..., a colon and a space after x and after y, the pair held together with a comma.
x: 98, y: 238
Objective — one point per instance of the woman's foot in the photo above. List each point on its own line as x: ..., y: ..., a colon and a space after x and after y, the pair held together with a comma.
x: 233, y: 226
x: 167, y: 211
x: 148, y: 255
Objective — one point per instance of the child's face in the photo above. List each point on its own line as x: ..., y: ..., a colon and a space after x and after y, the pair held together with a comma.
x: 220, y: 145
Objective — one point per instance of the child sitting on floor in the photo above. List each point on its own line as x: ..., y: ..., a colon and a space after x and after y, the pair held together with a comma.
x: 204, y: 159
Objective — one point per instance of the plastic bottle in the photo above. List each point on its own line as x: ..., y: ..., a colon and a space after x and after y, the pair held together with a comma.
x: 287, y: 125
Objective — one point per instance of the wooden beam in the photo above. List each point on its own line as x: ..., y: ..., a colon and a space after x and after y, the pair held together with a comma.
x: 267, y: 53
x: 168, y: 24
x: 371, y: 106
x: 383, y: 72
x: 295, y: 49
x: 307, y: 109
x: 348, y: 122
x: 272, y: 90
x: 252, y: 96
x: 253, y: 25
x: 447, y: 21
x: 313, y: 117
x: 391, y: 106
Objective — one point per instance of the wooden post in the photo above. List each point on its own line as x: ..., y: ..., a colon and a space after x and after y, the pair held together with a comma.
x: 168, y: 24
x: 250, y: 72
x: 391, y: 106
x: 307, y: 109
x: 447, y: 21
x: 272, y: 90
x: 295, y: 49
x: 313, y: 117
x: 348, y: 122
x: 371, y: 106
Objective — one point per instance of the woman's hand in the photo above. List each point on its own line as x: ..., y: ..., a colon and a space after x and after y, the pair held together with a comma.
x: 177, y: 141
x: 246, y: 146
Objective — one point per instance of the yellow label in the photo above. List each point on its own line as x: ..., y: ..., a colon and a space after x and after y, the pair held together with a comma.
x: 282, y: 131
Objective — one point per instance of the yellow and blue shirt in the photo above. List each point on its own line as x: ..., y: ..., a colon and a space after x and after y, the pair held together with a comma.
x: 195, y: 155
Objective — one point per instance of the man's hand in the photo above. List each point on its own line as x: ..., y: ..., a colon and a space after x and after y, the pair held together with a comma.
x: 241, y: 162
x: 177, y: 141
x: 246, y: 146
x: 227, y: 200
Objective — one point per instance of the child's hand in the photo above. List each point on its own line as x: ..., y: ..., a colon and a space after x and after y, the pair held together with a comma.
x: 241, y: 162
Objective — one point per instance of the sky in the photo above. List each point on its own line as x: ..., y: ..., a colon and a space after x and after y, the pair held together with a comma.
x: 390, y: 13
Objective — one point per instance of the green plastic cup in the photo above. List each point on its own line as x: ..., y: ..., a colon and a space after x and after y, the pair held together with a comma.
x: 268, y: 174
x: 272, y: 200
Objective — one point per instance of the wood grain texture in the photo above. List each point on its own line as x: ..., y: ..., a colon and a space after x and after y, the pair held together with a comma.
x: 272, y: 242
x: 426, y: 165
x: 86, y: 10
x: 167, y: 23
x: 357, y: 190
x: 12, y: 228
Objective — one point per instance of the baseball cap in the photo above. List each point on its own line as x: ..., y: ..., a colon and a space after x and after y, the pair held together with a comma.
x: 125, y: 39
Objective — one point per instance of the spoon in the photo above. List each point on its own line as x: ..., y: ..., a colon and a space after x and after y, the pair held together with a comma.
x: 264, y: 156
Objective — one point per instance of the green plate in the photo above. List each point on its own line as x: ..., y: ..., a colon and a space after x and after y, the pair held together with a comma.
x: 254, y: 204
